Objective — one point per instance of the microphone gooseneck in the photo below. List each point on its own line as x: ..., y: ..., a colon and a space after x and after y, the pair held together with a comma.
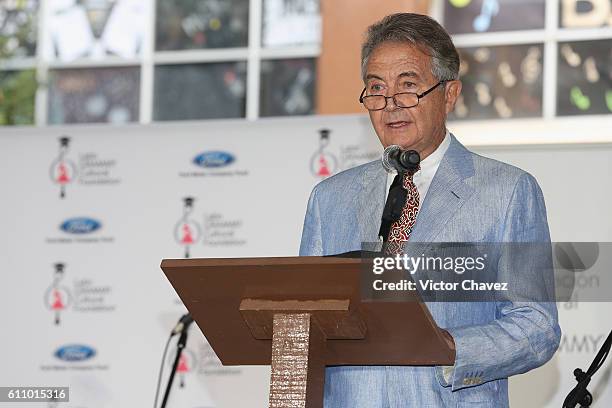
x: 181, y: 328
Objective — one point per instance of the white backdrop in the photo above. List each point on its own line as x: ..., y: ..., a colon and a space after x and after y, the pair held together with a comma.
x: 123, y: 211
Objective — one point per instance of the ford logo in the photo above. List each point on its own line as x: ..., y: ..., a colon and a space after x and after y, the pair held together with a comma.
x: 75, y: 352
x: 80, y: 225
x: 213, y: 159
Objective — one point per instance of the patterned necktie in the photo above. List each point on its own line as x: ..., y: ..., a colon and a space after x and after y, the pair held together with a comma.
x: 401, y: 229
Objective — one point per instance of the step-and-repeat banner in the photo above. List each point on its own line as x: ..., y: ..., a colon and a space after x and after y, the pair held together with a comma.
x: 89, y: 212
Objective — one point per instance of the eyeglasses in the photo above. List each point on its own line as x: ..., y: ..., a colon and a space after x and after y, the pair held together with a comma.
x: 401, y: 100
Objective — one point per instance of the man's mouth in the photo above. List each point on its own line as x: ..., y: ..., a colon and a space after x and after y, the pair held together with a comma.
x: 398, y: 124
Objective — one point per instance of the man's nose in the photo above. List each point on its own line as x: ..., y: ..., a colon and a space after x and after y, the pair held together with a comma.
x: 390, y: 106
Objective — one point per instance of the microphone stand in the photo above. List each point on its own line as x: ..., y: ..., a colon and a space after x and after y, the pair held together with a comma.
x: 580, y: 394
x: 180, y: 345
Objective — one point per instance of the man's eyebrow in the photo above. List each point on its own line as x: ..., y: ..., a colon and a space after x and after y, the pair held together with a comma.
x: 410, y: 74
x: 372, y: 76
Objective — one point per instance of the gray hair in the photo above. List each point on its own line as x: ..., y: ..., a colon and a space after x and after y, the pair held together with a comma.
x: 420, y: 31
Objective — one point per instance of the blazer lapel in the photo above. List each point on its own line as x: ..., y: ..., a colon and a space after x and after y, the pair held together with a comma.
x: 371, y: 201
x: 446, y: 194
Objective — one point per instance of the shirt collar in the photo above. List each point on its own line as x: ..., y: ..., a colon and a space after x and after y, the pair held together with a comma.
x: 433, y: 160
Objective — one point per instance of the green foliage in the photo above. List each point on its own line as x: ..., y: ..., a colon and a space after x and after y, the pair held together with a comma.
x: 17, y: 88
x: 17, y: 92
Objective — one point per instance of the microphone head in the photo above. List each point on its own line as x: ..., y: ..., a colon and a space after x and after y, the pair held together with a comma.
x: 183, y: 324
x: 409, y: 159
x: 389, y: 157
x: 187, y: 319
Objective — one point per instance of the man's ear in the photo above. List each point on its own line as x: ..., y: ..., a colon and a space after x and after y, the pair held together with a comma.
x: 451, y: 93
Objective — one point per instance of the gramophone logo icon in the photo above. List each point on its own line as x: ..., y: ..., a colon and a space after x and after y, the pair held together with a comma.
x: 63, y: 170
x: 323, y: 164
x: 57, y: 296
x: 187, y: 232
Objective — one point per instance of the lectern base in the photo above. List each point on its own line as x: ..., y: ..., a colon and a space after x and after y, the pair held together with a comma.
x: 298, y: 369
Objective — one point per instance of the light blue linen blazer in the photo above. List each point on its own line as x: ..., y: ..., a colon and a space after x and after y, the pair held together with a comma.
x: 471, y: 199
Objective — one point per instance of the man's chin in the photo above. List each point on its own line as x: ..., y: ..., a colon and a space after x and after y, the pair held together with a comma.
x: 404, y: 142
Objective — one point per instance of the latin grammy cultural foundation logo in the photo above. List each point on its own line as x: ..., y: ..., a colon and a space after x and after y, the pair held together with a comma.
x: 83, y: 295
x: 355, y: 154
x: 88, y: 169
x: 187, y: 232
x: 57, y: 296
x: 187, y: 364
x: 63, y: 170
x: 209, y: 363
x: 197, y: 359
x: 323, y: 164
x: 222, y: 231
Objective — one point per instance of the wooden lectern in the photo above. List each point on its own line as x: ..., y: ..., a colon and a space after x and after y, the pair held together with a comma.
x: 299, y: 315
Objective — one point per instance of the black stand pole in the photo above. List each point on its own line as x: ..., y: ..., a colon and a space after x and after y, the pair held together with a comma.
x: 580, y: 394
x: 180, y: 345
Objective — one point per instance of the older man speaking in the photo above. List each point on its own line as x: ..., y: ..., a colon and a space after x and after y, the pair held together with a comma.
x: 410, y: 69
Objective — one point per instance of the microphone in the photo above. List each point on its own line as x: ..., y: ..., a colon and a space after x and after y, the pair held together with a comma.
x: 394, y: 159
x: 181, y: 327
x: 580, y: 395
x: 183, y: 324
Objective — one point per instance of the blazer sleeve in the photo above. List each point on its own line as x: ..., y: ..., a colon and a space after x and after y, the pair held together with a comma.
x: 525, y: 334
x: 311, y: 244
